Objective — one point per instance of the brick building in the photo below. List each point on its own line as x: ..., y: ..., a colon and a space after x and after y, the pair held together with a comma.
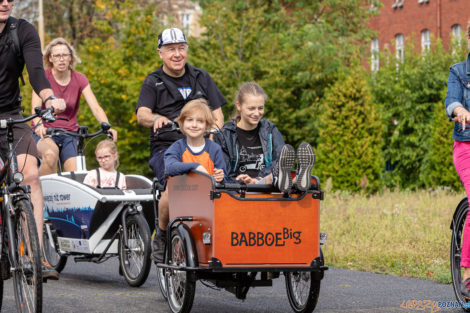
x: 398, y: 20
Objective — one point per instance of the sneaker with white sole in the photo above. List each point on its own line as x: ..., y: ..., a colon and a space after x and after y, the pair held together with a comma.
x: 282, y: 177
x: 305, y: 162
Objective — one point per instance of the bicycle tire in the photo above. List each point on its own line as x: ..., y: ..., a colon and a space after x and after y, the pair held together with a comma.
x: 135, y: 259
x: 27, y: 278
x: 49, y: 250
x: 458, y: 224
x: 1, y: 293
x: 180, y: 285
x: 161, y: 273
x: 303, y: 289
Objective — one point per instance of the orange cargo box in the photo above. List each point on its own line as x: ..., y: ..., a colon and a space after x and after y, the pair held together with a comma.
x: 249, y: 230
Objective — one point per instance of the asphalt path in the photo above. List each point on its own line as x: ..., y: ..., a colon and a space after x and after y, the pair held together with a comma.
x: 88, y: 287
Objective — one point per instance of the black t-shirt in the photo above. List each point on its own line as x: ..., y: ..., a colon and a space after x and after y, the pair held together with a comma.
x: 11, y: 69
x: 164, y: 95
x: 183, y: 84
x: 250, y: 152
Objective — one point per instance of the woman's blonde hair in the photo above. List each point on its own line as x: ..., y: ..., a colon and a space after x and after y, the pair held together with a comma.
x: 244, y: 90
x: 60, y: 41
x: 197, y: 105
x: 110, y: 145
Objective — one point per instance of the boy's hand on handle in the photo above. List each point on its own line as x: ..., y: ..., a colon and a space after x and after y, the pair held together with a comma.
x: 201, y: 168
x: 462, y: 116
x: 218, y: 174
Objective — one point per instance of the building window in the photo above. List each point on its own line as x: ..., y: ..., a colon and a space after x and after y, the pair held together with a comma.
x: 423, y: 1
x: 457, y: 32
x: 425, y: 40
x: 400, y: 47
x: 398, y: 4
x: 372, y: 5
x: 374, y: 52
x: 456, y: 37
x: 186, y: 22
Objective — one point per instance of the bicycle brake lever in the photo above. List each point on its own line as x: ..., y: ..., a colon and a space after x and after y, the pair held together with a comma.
x: 48, y: 117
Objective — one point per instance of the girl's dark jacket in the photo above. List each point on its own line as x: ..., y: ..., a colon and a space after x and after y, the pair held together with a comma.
x: 271, y: 142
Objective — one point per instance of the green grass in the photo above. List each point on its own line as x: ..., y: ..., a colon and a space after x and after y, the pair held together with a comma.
x: 401, y: 233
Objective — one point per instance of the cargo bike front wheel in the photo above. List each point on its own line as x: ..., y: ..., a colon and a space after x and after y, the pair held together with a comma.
x: 180, y: 284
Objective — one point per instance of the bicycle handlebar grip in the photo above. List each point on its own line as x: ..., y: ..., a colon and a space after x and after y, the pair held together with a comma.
x: 233, y: 186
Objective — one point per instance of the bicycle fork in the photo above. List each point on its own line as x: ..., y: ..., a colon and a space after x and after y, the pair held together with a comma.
x: 9, y: 213
x: 129, y: 210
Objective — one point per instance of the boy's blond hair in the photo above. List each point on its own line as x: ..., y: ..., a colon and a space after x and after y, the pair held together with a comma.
x: 197, y: 105
x: 111, y: 146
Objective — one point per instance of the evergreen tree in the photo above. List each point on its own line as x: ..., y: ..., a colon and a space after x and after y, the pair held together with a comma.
x: 350, y: 143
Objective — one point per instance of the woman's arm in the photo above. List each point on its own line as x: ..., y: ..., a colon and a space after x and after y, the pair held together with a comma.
x: 96, y: 109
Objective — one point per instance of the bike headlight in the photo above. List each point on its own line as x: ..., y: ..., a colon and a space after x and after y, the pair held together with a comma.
x: 18, y: 177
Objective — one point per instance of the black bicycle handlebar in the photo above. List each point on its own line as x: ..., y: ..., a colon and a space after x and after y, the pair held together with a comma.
x: 46, y: 115
x: 174, y: 127
x: 82, y: 131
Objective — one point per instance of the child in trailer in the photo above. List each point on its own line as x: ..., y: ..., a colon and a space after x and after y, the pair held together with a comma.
x: 195, y: 151
x: 106, y: 176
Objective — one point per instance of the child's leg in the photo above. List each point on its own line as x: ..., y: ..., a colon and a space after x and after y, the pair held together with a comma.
x: 306, y: 160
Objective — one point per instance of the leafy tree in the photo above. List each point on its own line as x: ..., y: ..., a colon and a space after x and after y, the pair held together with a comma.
x: 290, y: 48
x: 71, y: 19
x: 116, y: 68
x: 241, y: 43
x: 407, y: 92
x: 350, y: 143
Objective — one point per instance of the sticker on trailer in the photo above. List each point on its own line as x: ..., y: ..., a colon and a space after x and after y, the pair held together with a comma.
x: 74, y: 245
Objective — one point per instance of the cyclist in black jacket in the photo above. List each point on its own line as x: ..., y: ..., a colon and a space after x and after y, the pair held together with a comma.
x: 11, y: 67
x: 162, y: 96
